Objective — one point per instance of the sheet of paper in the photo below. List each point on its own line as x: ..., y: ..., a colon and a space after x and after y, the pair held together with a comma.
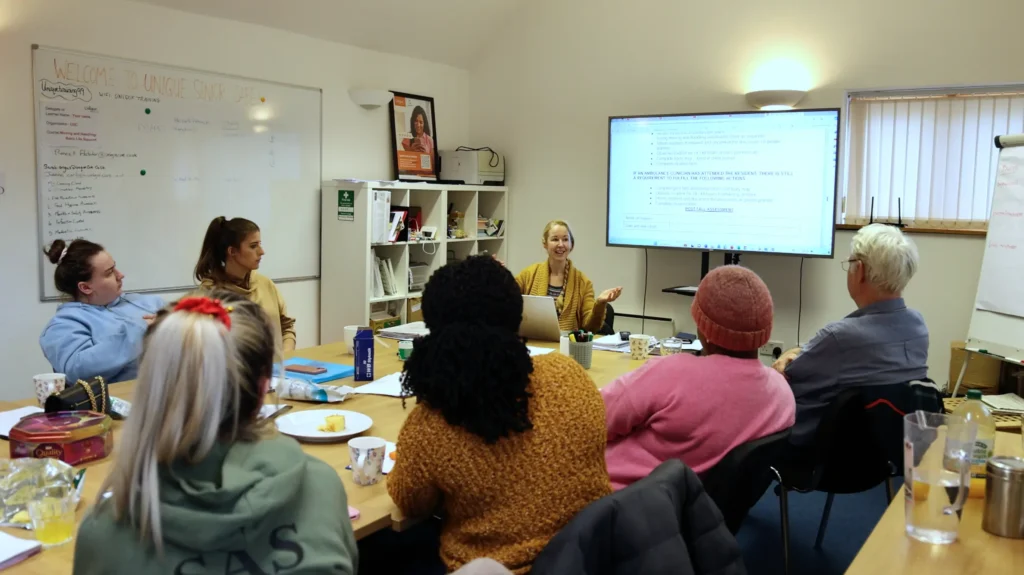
x: 535, y: 351
x: 1002, y: 268
x: 390, y: 385
x: 407, y: 331
x: 1007, y: 402
x: 9, y: 418
x: 14, y: 550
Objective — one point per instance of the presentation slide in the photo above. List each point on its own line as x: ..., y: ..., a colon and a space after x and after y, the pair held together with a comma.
x: 743, y: 182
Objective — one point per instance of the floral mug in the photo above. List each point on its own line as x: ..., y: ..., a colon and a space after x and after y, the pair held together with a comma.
x: 367, y: 459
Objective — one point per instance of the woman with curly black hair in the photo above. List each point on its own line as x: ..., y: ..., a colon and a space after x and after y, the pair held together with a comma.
x: 511, y: 447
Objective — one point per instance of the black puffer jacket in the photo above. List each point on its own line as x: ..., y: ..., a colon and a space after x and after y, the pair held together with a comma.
x: 662, y: 524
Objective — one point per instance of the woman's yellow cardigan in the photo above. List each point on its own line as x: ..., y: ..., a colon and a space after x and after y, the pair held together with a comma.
x: 577, y: 308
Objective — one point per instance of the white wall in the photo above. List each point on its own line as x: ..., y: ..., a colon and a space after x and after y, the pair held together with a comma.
x: 544, y: 92
x: 355, y: 141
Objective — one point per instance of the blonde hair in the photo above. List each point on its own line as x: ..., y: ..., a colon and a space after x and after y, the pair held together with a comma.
x: 890, y: 256
x: 564, y: 224
x: 199, y: 383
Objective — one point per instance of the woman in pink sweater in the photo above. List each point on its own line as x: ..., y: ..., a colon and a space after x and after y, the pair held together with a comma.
x: 698, y: 408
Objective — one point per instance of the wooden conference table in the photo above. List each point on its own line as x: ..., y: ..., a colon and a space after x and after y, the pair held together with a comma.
x: 376, y: 509
x: 890, y: 550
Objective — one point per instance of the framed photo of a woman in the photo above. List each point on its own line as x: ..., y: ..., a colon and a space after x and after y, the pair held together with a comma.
x: 413, y: 137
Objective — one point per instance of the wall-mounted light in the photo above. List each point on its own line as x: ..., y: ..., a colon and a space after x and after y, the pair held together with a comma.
x: 775, y: 99
x: 368, y: 98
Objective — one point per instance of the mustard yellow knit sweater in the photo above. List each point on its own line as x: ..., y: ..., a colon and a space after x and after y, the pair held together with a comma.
x: 506, y: 500
x: 577, y: 307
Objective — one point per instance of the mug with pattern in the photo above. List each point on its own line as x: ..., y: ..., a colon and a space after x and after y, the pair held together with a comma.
x: 367, y: 459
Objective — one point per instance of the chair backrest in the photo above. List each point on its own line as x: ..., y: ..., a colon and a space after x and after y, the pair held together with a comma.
x: 739, y: 479
x: 848, y: 457
x: 886, y: 405
x: 608, y: 328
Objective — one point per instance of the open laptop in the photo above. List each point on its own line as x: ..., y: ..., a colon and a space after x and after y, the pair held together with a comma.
x: 540, y: 319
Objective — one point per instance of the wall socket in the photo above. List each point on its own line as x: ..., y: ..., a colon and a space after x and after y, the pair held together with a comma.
x: 769, y: 349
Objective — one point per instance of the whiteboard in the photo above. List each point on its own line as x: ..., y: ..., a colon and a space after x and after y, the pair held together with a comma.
x: 997, y: 322
x: 140, y: 157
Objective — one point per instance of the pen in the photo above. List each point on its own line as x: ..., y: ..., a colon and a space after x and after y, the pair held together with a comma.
x: 572, y: 337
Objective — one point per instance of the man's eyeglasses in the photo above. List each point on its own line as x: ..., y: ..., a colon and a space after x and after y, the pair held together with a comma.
x: 847, y: 263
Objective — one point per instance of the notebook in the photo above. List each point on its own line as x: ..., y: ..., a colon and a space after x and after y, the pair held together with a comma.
x: 1005, y: 403
x: 334, y: 370
x: 14, y: 550
x: 9, y: 418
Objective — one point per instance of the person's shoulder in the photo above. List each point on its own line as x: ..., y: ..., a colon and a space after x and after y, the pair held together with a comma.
x: 555, y: 369
x: 531, y: 270
x: 580, y: 276
x: 261, y: 282
x: 148, y: 301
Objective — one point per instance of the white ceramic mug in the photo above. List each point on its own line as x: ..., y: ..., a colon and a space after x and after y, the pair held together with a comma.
x: 350, y: 338
x: 48, y: 384
x: 639, y: 346
x: 367, y: 459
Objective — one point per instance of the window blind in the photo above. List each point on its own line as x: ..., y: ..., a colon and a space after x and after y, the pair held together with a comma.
x: 927, y: 154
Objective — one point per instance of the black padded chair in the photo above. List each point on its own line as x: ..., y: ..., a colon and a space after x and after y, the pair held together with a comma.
x: 608, y: 328
x: 741, y: 477
x: 845, y: 457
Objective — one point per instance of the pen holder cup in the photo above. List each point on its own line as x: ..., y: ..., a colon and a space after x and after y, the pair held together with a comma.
x: 582, y: 352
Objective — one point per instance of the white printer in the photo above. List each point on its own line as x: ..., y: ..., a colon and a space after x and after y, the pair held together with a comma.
x: 474, y: 167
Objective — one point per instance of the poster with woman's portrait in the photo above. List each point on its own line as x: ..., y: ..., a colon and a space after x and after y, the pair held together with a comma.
x: 414, y: 137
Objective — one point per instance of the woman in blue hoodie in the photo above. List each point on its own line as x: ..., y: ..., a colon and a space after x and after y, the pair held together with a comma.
x: 99, y: 332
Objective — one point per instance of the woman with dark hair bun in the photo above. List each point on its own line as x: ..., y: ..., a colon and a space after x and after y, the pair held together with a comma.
x: 511, y: 447
x: 98, y: 330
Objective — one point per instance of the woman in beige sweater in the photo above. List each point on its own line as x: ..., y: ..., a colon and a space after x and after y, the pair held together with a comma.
x: 230, y: 256
x: 558, y: 278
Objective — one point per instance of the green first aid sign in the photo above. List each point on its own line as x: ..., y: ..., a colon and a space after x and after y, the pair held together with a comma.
x: 346, y: 205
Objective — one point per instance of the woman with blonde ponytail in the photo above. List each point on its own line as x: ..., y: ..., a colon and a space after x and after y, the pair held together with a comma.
x: 199, y: 484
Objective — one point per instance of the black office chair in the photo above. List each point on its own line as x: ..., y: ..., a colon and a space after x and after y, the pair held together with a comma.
x: 737, y: 481
x: 845, y: 457
x: 608, y: 328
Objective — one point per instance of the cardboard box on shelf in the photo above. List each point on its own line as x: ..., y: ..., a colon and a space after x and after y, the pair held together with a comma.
x: 983, y: 371
x: 381, y: 321
x: 415, y: 310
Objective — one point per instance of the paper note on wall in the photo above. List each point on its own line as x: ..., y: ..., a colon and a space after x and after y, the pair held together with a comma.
x: 1002, y: 270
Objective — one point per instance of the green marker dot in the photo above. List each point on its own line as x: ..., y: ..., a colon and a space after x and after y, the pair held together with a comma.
x: 147, y: 110
x: 142, y: 172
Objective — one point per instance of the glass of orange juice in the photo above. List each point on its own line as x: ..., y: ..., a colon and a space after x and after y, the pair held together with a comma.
x: 53, y: 519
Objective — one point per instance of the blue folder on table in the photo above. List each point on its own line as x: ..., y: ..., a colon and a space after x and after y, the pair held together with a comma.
x: 334, y: 370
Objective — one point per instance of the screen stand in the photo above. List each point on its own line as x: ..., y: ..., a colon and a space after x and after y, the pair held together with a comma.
x: 705, y: 266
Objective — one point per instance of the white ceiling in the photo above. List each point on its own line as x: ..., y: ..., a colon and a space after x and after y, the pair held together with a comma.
x: 445, y: 31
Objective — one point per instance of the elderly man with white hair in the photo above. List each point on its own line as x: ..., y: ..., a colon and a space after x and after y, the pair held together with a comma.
x: 883, y: 342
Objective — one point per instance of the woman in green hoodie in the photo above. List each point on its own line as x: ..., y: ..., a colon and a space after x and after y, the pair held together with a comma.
x: 199, y: 486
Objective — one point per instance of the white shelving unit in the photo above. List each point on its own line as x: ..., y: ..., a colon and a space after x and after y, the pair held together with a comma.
x: 347, y: 256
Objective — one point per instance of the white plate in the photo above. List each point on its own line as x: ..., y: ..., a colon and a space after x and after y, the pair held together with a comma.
x: 302, y: 425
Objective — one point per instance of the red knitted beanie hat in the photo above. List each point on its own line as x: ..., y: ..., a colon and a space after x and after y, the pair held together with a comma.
x: 733, y: 309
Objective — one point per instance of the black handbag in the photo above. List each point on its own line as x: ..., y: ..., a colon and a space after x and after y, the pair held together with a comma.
x: 84, y: 395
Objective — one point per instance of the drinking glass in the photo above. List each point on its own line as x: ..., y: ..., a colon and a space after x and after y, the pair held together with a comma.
x: 53, y: 519
x: 937, y: 466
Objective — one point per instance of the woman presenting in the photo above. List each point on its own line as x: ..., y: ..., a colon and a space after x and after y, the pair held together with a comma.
x: 557, y: 278
x: 230, y: 256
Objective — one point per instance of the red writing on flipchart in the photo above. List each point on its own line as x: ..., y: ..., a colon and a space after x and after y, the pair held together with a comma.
x: 1002, y: 246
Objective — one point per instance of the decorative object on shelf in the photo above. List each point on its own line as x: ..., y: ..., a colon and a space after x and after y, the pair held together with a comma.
x: 413, y: 137
x: 455, y: 229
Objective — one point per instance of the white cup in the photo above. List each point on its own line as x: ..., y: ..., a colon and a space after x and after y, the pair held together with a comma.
x: 639, y: 346
x: 350, y: 338
x: 366, y: 456
x: 48, y: 384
